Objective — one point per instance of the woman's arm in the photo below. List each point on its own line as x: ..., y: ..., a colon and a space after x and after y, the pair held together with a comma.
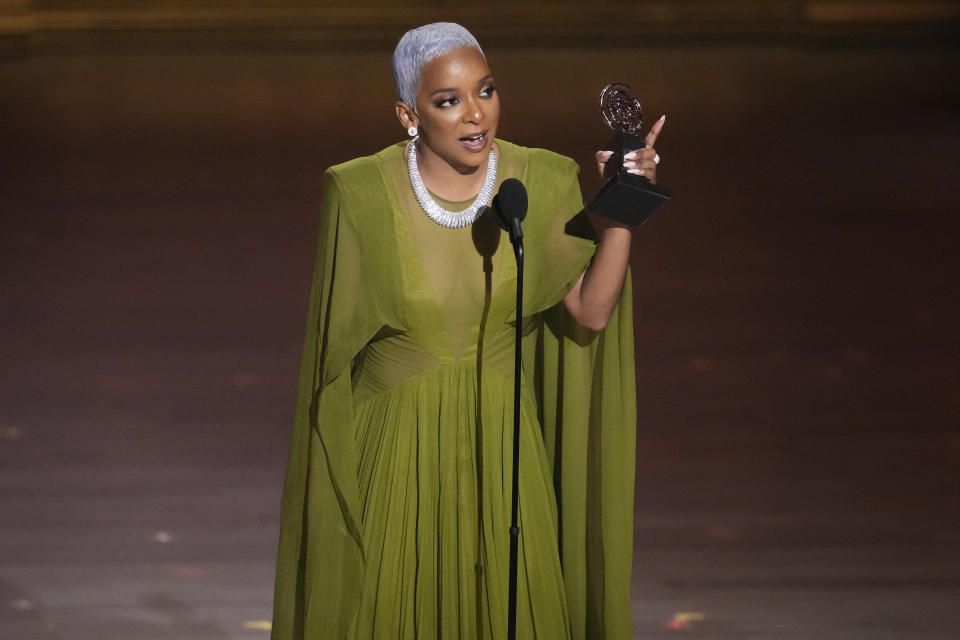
x: 595, y: 295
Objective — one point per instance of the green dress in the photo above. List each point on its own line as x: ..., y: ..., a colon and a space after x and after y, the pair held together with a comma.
x: 396, y: 503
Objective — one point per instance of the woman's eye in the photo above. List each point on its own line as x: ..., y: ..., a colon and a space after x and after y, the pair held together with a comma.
x: 486, y: 92
x: 449, y: 102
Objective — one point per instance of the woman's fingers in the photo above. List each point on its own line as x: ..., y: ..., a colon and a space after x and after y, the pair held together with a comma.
x: 655, y: 131
x: 602, y: 157
x: 640, y: 162
x: 649, y: 174
x: 642, y: 155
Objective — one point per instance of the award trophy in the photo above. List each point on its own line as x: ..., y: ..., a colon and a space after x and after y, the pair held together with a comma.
x: 624, y: 197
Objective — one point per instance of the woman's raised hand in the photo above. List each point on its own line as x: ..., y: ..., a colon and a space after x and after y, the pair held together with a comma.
x: 642, y: 162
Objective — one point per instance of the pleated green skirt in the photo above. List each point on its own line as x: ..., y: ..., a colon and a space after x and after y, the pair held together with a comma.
x: 434, y: 471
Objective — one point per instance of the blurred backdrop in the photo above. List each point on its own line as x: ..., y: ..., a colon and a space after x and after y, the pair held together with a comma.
x: 796, y: 303
x: 148, y: 25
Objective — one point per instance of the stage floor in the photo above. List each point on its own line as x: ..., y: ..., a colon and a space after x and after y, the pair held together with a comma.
x: 797, y: 330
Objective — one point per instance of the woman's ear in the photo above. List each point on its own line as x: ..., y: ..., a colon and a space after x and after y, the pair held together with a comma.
x: 406, y: 115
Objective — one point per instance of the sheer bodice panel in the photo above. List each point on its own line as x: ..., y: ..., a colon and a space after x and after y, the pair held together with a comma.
x: 458, y: 297
x: 453, y: 278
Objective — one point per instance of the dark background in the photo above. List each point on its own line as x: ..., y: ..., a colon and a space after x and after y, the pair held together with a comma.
x: 797, y: 308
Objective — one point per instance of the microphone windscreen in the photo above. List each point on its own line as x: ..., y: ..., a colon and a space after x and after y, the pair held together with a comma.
x: 510, y: 203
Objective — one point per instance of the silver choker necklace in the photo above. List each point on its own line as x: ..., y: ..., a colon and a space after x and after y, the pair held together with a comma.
x: 452, y: 219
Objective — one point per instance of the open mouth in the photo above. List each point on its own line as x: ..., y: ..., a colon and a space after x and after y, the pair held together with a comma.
x: 475, y: 142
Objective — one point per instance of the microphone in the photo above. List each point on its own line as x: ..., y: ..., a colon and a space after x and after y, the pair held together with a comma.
x: 510, y: 207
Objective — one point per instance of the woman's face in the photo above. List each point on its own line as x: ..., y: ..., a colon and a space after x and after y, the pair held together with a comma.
x: 458, y: 108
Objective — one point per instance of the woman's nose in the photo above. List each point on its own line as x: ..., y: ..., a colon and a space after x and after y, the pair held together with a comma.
x: 473, y: 112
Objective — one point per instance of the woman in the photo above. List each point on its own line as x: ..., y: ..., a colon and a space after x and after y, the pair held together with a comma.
x: 396, y: 504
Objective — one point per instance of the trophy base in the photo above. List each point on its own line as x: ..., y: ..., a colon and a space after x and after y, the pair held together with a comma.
x: 628, y: 199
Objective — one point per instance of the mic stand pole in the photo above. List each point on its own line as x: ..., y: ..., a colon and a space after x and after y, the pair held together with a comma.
x: 517, y: 360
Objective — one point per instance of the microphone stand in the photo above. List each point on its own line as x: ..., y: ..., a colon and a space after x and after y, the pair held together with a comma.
x: 510, y: 207
x: 517, y: 241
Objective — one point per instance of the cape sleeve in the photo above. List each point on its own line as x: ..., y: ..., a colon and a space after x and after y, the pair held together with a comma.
x: 584, y: 382
x: 320, y: 557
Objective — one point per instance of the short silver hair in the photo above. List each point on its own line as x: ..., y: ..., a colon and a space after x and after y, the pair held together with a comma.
x: 419, y: 46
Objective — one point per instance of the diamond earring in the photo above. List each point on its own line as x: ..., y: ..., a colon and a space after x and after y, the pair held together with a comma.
x: 412, y: 132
